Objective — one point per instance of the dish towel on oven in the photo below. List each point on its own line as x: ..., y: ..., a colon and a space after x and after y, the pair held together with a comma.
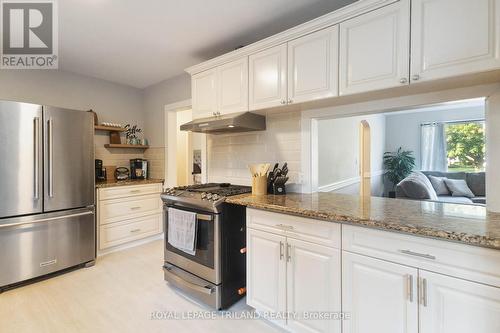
x: 182, y: 230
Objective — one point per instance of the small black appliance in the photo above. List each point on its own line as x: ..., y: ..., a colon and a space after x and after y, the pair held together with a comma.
x: 138, y: 168
x: 100, y: 172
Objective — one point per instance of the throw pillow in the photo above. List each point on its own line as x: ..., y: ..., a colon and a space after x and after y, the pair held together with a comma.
x: 459, y: 188
x: 439, y: 185
x: 418, y: 186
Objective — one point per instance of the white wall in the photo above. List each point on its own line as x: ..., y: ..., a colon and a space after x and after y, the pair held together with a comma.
x: 112, y: 102
x: 403, y: 129
x: 338, y: 153
x: 156, y: 97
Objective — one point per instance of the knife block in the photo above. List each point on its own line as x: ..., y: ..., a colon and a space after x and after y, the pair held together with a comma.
x: 259, y: 185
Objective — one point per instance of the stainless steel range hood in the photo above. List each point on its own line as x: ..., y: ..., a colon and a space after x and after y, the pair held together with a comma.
x: 231, y: 123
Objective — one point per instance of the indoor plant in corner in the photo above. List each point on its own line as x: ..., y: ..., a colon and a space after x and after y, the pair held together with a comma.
x: 398, y: 165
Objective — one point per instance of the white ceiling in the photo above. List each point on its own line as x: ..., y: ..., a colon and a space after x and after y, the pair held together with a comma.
x: 142, y: 42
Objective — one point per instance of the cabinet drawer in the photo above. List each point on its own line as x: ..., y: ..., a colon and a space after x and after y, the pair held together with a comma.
x: 459, y: 260
x: 111, y: 210
x: 128, y: 191
x: 122, y: 232
x: 311, y: 230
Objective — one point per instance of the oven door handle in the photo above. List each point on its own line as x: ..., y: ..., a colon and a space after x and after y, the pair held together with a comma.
x: 181, y: 281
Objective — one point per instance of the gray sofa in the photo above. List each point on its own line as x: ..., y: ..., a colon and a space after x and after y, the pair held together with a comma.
x: 475, y: 181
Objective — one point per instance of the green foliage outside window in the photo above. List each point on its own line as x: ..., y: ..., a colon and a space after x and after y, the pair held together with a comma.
x: 466, y: 146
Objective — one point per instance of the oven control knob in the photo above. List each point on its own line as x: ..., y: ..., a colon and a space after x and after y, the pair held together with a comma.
x: 203, y: 195
x: 215, y: 197
x: 209, y: 196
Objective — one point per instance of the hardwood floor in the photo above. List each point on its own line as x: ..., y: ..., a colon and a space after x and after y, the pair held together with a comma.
x: 118, y: 294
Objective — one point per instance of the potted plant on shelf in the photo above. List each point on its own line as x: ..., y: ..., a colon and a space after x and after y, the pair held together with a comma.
x: 398, y: 165
x: 131, y: 134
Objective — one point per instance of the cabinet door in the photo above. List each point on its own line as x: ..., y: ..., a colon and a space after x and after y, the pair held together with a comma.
x: 266, y: 271
x: 451, y: 305
x: 232, y: 86
x: 381, y: 297
x: 454, y: 37
x: 374, y: 49
x: 204, y: 93
x: 313, y: 66
x: 267, y: 76
x: 313, y: 286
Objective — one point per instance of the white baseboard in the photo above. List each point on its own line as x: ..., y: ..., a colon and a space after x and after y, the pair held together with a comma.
x: 347, y: 182
x: 130, y: 245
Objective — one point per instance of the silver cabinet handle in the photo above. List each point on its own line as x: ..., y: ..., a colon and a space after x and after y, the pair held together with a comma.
x: 172, y: 276
x: 288, y: 252
x: 403, y: 80
x: 45, y: 220
x: 36, y: 126
x: 290, y: 101
x: 50, y: 134
x: 423, y: 291
x: 409, y: 287
x: 135, y: 191
x: 135, y: 230
x: 283, y: 101
x: 415, y: 77
x: 284, y: 226
x: 416, y: 254
x: 135, y: 208
x: 281, y: 250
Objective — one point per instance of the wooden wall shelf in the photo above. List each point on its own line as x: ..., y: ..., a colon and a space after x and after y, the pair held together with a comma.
x: 115, y: 145
x: 108, y: 128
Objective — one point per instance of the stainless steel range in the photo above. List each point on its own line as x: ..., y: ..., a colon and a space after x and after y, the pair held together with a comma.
x: 216, y: 272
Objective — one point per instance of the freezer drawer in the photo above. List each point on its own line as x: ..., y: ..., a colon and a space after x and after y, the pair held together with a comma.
x: 33, y: 246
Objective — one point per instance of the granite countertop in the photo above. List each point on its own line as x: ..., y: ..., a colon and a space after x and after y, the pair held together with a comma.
x: 128, y: 182
x: 466, y: 224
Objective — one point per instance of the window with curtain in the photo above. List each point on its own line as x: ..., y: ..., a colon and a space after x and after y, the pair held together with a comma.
x: 453, y: 146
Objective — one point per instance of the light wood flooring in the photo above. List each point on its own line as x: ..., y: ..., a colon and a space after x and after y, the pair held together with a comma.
x: 118, y: 294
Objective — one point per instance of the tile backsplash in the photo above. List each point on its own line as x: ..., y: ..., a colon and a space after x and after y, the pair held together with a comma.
x: 156, y: 159
x: 230, y: 154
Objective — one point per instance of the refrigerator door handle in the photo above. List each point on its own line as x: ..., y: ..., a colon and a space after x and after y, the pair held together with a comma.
x: 36, y: 128
x: 50, y: 128
x: 46, y: 219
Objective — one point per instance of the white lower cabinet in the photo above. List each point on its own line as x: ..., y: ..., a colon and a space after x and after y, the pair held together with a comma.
x: 378, y: 296
x: 298, y: 281
x: 451, y: 305
x: 126, y: 214
x: 313, y: 287
x: 266, y: 271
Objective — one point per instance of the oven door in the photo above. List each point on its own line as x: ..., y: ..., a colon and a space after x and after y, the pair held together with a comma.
x: 205, y: 263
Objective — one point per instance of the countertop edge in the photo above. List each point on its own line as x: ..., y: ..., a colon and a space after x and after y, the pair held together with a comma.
x: 433, y: 233
x: 128, y: 182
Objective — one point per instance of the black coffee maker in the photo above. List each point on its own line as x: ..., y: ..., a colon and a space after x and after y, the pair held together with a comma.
x: 138, y: 168
x: 100, y: 171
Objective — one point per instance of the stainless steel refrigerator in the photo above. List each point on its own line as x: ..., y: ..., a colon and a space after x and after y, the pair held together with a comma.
x: 46, y: 190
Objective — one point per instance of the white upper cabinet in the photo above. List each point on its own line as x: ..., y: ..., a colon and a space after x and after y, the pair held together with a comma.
x: 313, y: 285
x: 313, y: 66
x: 454, y: 37
x: 204, y: 93
x: 374, y: 49
x: 451, y: 305
x: 380, y: 296
x: 232, y: 84
x: 267, y: 76
x: 266, y: 271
